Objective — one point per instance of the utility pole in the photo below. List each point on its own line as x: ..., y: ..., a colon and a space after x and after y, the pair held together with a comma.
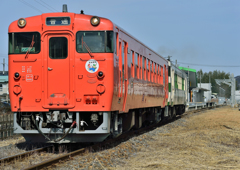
x: 209, y: 78
x: 200, y: 79
x: 3, y: 65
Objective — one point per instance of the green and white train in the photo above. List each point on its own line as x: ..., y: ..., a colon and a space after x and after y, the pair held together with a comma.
x: 177, y: 91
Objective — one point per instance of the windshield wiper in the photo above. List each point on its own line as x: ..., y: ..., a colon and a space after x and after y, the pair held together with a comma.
x: 30, y: 47
x: 88, y: 49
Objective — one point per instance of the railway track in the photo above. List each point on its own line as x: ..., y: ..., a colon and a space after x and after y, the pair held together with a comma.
x: 24, y: 155
x: 83, y: 151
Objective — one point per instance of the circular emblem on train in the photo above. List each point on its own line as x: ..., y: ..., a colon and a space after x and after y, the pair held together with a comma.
x: 92, y: 66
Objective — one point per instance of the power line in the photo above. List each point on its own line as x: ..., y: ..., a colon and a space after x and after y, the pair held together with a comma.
x: 205, y: 65
x: 49, y: 6
x: 44, y: 6
x: 30, y: 5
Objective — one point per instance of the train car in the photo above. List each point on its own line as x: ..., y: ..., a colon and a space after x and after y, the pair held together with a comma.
x: 177, y: 98
x: 81, y: 78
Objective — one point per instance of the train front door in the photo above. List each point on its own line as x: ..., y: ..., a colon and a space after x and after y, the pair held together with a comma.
x: 57, y: 70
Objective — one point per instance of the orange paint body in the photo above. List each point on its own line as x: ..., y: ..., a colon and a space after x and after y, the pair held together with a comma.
x: 66, y: 84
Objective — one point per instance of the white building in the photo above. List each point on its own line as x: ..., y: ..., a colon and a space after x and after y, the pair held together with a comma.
x: 4, y: 95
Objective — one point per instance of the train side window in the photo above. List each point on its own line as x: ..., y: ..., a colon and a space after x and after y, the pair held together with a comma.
x: 58, y: 47
x: 153, y: 69
x: 123, y: 61
x: 140, y: 67
x: 144, y: 68
x: 156, y: 79
x: 136, y: 64
x: 164, y: 70
x: 161, y: 75
x: 175, y: 81
x: 115, y: 43
x: 132, y: 63
x: 109, y: 41
x: 154, y: 72
x: 183, y: 84
x: 148, y: 71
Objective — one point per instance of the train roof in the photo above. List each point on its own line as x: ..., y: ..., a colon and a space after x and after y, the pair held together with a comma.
x: 121, y: 29
x: 186, y: 69
x: 106, y: 24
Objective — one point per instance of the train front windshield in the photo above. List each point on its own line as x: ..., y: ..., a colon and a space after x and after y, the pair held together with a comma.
x: 96, y: 41
x: 20, y: 43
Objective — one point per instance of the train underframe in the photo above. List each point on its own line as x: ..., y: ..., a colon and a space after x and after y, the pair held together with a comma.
x: 81, y: 127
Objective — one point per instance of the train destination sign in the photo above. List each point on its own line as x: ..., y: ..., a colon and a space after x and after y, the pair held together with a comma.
x: 58, y: 21
x: 30, y: 49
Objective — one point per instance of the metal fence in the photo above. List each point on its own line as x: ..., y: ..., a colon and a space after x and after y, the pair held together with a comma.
x: 6, y: 125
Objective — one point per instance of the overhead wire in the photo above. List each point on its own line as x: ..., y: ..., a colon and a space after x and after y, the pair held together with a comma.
x: 44, y: 6
x: 206, y: 65
x: 49, y: 6
x: 24, y: 2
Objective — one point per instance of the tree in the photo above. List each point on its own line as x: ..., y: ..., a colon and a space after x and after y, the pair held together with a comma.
x: 210, y: 78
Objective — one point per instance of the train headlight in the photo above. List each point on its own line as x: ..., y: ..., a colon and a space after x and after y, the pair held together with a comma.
x: 22, y: 22
x: 95, y: 20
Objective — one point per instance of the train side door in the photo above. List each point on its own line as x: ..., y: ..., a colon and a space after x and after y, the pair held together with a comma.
x: 123, y: 74
x: 57, y: 70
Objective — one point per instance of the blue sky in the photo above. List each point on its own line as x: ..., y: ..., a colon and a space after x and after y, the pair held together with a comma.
x: 196, y: 32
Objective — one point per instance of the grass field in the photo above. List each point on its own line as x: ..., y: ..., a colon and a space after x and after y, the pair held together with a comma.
x: 209, y: 140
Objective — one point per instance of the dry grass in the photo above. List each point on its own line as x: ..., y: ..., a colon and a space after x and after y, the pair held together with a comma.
x: 210, y: 140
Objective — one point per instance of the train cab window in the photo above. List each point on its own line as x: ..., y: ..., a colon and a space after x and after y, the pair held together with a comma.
x: 96, y: 41
x: 58, y: 48
x: 20, y: 43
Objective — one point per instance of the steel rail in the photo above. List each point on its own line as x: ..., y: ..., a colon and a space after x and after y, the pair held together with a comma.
x: 56, y: 160
x: 23, y: 155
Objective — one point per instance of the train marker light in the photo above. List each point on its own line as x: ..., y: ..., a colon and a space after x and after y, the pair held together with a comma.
x: 16, y: 75
x: 95, y: 20
x: 22, y: 22
x: 100, y: 74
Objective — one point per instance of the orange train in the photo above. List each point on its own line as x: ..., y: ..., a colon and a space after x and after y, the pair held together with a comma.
x: 81, y: 78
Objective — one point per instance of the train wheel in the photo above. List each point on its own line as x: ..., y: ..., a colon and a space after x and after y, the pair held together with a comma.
x: 174, y: 111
